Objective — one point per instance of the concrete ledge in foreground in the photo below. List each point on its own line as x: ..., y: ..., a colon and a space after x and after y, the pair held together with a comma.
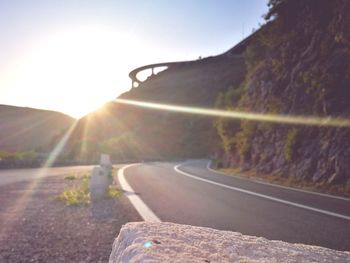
x: 168, y: 242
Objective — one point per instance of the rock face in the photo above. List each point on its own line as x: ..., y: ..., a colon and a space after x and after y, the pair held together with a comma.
x: 168, y: 242
x: 298, y: 65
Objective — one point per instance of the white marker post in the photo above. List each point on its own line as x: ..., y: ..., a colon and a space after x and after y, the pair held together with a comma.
x: 100, y: 178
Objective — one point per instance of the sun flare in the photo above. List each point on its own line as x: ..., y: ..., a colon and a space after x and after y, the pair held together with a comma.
x: 79, y: 68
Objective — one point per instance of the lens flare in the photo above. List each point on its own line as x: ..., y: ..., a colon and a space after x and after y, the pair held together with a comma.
x: 60, y: 145
x: 261, y: 117
x: 147, y: 244
x: 21, y: 202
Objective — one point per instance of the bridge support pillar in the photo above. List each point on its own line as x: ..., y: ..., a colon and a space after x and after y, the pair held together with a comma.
x: 134, y: 84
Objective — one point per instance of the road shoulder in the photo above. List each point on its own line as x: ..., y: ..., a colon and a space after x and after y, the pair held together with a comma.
x: 35, y: 226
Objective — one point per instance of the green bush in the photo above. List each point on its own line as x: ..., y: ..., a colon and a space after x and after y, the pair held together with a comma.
x: 243, y: 138
x: 79, y: 195
x: 113, y: 192
x: 290, y: 145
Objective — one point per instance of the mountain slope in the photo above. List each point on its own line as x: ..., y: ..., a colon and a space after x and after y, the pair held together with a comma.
x: 23, y: 129
x: 298, y: 64
x: 130, y: 132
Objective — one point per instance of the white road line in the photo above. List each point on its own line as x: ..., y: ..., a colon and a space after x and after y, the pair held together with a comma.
x: 145, y: 212
x: 176, y: 168
x: 279, y: 186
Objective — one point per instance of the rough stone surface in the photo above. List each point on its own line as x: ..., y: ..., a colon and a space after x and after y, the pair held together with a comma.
x: 169, y: 242
x: 296, y: 68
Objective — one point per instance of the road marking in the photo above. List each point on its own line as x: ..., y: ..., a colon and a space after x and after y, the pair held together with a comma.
x: 176, y: 168
x: 279, y: 186
x: 145, y: 212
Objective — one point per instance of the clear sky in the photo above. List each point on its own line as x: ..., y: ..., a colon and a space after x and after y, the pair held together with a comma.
x: 72, y: 56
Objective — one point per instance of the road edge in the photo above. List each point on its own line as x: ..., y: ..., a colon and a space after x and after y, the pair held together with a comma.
x: 144, y: 211
x: 271, y: 198
x: 276, y: 185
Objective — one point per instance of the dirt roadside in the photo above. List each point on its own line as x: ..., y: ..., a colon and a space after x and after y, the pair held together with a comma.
x: 36, y: 227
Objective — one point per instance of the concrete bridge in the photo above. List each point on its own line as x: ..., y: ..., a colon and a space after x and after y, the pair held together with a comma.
x: 133, y: 74
x: 237, y: 50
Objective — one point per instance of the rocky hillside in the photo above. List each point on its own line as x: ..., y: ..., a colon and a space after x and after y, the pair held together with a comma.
x: 25, y: 129
x: 127, y: 132
x: 299, y: 64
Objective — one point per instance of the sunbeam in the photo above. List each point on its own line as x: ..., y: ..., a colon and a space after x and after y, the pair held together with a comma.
x: 21, y: 203
x: 29, y: 124
x: 84, y: 137
x: 261, y: 117
x: 60, y: 145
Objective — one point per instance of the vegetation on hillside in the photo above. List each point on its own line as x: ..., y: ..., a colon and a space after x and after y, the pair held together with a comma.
x: 26, y: 155
x: 298, y: 63
x: 130, y: 133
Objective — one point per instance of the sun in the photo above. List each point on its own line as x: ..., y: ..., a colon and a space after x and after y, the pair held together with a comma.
x: 74, y: 70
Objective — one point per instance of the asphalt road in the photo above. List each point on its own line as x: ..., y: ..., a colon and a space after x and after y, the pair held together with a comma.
x: 192, y: 194
x: 9, y: 176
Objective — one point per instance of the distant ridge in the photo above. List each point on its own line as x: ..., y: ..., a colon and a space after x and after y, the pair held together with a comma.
x: 4, y: 106
x: 24, y: 128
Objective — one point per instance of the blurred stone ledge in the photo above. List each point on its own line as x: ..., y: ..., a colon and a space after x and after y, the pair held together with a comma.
x: 168, y: 242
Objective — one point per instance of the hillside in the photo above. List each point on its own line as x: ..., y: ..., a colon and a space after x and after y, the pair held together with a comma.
x: 25, y: 129
x: 298, y: 64
x: 128, y: 132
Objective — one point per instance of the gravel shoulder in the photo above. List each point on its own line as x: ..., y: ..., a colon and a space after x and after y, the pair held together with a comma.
x: 36, y: 227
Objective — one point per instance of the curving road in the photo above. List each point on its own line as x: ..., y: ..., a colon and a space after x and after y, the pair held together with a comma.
x: 190, y: 193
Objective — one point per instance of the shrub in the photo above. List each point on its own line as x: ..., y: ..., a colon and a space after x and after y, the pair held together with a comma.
x: 113, y: 192
x: 233, y: 95
x: 290, y: 145
x: 79, y: 195
x: 243, y: 138
x: 347, y: 186
x: 70, y: 177
x: 253, y: 55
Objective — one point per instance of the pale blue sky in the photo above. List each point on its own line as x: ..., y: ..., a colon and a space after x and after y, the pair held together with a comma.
x: 53, y: 53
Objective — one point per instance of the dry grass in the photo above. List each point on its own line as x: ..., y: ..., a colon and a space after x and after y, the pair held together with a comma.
x: 79, y: 194
x: 113, y: 192
x: 70, y: 177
